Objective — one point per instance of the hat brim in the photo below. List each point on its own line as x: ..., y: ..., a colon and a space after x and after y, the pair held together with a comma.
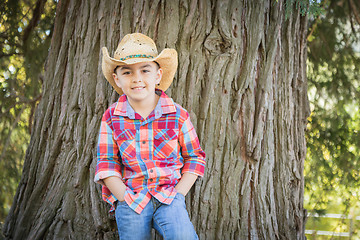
x: 167, y: 60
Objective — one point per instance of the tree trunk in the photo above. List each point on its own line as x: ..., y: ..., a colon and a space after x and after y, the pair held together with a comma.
x: 242, y: 77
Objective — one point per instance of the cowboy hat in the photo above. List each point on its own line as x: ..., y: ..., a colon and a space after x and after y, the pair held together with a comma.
x: 136, y: 48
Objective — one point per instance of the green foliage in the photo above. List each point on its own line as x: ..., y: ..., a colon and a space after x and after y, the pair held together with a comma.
x: 333, y: 138
x: 310, y: 7
x: 25, y: 35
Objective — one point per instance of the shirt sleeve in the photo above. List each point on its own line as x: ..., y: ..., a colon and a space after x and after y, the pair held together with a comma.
x: 193, y: 155
x: 108, y: 158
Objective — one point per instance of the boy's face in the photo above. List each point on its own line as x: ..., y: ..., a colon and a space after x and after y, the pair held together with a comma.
x: 138, y: 80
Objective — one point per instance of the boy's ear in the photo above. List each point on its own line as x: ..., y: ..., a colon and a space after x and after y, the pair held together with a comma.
x: 115, y: 76
x: 116, y: 79
x: 159, y: 75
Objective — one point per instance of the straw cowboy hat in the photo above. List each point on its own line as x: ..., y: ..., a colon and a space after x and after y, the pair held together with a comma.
x: 136, y: 48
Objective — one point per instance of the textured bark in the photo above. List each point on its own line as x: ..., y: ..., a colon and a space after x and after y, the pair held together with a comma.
x: 241, y: 76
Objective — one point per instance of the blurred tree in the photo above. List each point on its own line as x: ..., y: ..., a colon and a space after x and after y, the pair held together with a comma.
x: 333, y: 140
x: 25, y: 34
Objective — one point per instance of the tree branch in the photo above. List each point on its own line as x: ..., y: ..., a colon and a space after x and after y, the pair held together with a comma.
x: 8, y: 54
x: 23, y: 100
x: 39, y: 9
x: 11, y: 130
x: 313, y: 27
x: 354, y: 10
x: 351, y: 20
x: 4, y: 36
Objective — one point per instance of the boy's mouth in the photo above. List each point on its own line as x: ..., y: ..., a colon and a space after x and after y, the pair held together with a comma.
x: 138, y: 88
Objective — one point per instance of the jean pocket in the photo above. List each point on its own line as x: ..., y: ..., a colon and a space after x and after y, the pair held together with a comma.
x: 125, y: 140
x: 165, y: 143
x: 116, y: 204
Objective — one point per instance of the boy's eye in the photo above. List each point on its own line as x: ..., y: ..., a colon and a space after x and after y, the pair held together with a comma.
x: 126, y: 73
x: 145, y: 71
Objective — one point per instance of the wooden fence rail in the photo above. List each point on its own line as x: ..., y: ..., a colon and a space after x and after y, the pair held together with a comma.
x: 331, y: 233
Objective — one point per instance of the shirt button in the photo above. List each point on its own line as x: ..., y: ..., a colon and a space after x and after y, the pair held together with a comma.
x: 151, y: 180
x: 143, y: 142
x: 151, y: 170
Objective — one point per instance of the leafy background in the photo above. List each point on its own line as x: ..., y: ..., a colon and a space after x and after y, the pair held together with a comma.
x: 25, y: 35
x: 332, y: 180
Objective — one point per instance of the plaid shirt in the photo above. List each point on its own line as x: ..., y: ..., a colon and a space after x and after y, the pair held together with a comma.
x: 149, y: 155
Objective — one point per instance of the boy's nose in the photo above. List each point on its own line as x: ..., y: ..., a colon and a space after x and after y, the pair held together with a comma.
x: 136, y: 78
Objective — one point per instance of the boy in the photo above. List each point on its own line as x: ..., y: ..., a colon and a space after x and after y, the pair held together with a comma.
x: 148, y: 151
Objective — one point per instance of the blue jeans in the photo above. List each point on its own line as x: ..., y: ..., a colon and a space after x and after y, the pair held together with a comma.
x: 170, y: 221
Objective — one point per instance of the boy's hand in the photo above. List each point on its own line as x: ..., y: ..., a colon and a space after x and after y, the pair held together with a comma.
x: 116, y: 186
x: 185, y: 183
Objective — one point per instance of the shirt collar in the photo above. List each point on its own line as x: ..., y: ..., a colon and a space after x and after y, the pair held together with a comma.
x: 165, y: 105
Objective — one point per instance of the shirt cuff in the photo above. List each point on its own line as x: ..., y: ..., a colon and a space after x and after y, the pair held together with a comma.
x: 194, y: 168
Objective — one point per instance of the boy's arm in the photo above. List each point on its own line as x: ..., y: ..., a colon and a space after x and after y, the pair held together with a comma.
x: 186, y: 182
x: 108, y: 162
x: 193, y: 155
x: 116, y: 187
